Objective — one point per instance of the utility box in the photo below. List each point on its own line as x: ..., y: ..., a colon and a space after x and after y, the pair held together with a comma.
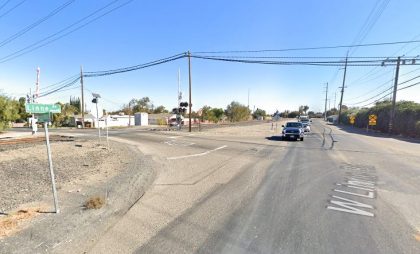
x: 141, y: 119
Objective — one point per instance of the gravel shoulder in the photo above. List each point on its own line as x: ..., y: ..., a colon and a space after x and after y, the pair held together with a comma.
x: 83, y: 170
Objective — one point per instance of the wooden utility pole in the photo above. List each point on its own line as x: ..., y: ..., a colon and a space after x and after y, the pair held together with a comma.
x: 394, y: 97
x: 82, y: 106
x: 189, y: 78
x: 342, y: 90
x: 326, y: 98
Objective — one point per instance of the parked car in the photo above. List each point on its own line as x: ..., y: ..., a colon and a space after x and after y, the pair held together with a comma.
x: 293, y: 131
x: 306, y: 127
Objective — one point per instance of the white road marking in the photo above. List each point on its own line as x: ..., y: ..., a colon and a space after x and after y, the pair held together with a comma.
x: 370, y: 194
x: 178, y: 143
x: 354, y: 187
x: 361, y: 183
x: 350, y: 206
x: 197, y: 154
x: 174, y: 137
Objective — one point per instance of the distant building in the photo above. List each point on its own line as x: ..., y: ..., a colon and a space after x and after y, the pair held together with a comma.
x: 141, y: 119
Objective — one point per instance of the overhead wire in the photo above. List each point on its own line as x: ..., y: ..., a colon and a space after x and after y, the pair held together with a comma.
x: 13, y: 8
x: 59, y: 83
x: 36, y: 23
x: 390, y: 88
x: 49, y: 39
x: 68, y: 84
x: 382, y: 84
x: 370, y: 22
x: 364, y: 62
x: 307, y: 48
x: 4, y: 4
x: 135, y: 67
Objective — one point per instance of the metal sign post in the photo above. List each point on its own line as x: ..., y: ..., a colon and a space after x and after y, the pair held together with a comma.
x: 106, y: 123
x: 43, y: 113
x: 54, y: 189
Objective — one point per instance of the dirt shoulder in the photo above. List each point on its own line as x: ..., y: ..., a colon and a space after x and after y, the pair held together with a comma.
x: 84, y: 170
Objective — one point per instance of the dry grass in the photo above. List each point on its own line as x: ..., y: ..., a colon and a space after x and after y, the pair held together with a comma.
x: 94, y: 203
x: 12, y: 222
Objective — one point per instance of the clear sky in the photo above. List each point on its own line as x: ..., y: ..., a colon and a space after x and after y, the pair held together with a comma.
x: 146, y: 30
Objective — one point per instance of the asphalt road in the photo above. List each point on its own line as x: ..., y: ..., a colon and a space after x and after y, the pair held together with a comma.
x: 244, y: 191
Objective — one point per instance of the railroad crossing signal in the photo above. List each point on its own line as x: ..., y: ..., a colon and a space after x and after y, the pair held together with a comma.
x: 352, y: 119
x: 372, y: 119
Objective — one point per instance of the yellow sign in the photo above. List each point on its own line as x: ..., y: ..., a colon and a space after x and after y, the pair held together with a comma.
x: 372, y: 119
x: 352, y: 119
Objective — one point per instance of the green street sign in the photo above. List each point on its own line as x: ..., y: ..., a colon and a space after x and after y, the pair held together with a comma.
x: 36, y: 108
x: 43, y: 118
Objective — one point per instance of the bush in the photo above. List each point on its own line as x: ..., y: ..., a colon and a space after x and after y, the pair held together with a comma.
x: 406, y: 122
x: 94, y: 203
x: 161, y: 122
x: 418, y: 128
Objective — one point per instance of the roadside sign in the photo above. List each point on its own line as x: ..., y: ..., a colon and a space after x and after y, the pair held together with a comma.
x: 36, y: 108
x: 372, y: 119
x: 352, y: 119
x: 43, y: 118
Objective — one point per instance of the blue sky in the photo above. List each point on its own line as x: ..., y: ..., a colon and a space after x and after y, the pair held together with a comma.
x: 142, y: 31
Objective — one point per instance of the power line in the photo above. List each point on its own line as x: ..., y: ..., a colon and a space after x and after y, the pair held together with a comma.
x: 68, y: 84
x: 5, y: 3
x: 363, y: 62
x: 133, y: 68
x: 50, y: 38
x: 307, y: 48
x: 379, y: 94
x: 71, y: 81
x: 61, y: 82
x: 383, y: 84
x: 402, y: 88
x: 36, y: 23
x: 370, y: 22
x: 13, y: 8
x: 377, y: 100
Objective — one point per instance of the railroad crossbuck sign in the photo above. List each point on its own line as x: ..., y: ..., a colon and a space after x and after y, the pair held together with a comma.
x: 372, y: 119
x: 352, y: 119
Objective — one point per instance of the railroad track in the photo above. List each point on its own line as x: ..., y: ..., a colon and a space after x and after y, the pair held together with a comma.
x: 53, y: 138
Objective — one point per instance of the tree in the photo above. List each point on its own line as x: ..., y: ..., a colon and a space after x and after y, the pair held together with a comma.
x: 285, y: 114
x: 303, y: 109
x: 22, y: 111
x: 63, y: 118
x: 205, y: 113
x: 160, y: 109
x: 75, y: 102
x: 258, y: 113
x: 9, y: 111
x: 237, y: 112
x: 294, y: 114
x: 217, y: 114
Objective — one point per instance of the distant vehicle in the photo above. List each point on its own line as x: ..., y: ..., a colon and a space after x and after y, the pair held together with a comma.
x: 293, y: 131
x: 305, y: 119
x: 174, y: 122
x: 306, y: 126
